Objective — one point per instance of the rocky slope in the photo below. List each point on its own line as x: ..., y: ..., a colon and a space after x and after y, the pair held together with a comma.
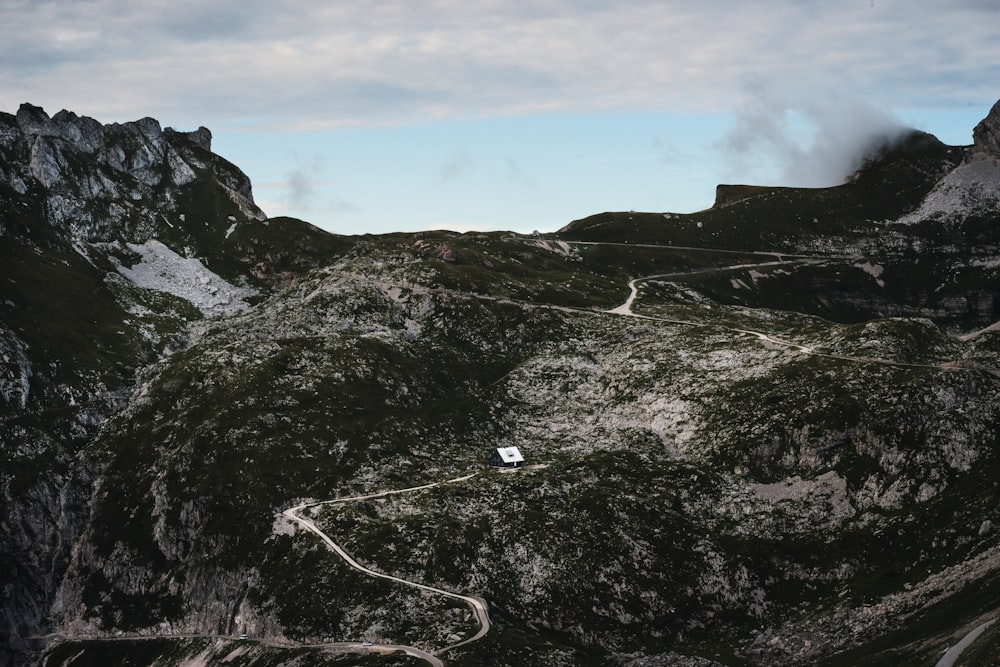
x: 779, y: 451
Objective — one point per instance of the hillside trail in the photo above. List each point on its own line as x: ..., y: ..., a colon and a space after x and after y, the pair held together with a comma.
x: 477, y: 605
x: 777, y: 254
x: 633, y: 285
x: 955, y: 652
x: 625, y: 309
x: 779, y: 258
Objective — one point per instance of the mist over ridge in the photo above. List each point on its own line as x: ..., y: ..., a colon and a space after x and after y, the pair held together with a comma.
x: 801, y: 140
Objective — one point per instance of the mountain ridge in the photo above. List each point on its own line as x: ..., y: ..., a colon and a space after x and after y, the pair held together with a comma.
x: 797, y: 375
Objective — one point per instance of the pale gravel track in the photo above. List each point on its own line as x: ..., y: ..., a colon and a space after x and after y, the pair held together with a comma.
x: 625, y: 310
x: 331, y: 647
x: 955, y: 652
x: 477, y: 605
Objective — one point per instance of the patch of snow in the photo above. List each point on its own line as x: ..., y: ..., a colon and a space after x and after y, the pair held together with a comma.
x: 874, y: 270
x: 80, y: 250
x: 559, y: 247
x: 164, y: 270
x: 970, y: 188
x: 232, y: 228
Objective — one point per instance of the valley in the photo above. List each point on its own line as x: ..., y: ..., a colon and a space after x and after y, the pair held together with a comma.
x: 761, y: 434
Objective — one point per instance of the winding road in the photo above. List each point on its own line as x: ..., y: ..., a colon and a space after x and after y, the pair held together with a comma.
x: 478, y: 605
x: 955, y: 652
x: 625, y: 309
x: 633, y: 285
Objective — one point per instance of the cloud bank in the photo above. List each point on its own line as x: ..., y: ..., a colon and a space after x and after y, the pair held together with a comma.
x: 298, y: 64
x: 812, y: 141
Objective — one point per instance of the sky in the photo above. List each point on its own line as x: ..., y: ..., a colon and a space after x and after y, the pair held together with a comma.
x: 368, y: 116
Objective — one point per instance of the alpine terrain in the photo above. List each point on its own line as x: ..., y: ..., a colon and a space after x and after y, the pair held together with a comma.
x: 766, y: 433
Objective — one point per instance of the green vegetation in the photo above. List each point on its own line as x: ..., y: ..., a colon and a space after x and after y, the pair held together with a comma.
x: 785, y: 456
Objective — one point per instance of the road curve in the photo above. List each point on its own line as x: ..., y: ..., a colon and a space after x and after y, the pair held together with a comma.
x: 955, y: 652
x: 625, y: 310
x: 477, y: 605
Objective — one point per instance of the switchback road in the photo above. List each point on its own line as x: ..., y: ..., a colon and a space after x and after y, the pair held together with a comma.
x: 477, y: 605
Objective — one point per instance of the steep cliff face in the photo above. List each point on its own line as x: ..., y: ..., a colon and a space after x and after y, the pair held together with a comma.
x: 763, y: 433
x: 83, y: 205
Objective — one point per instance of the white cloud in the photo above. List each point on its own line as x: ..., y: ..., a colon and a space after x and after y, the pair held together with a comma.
x: 813, y: 140
x: 305, y: 64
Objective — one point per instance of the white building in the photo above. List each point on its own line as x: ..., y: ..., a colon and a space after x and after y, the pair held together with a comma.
x: 507, y: 457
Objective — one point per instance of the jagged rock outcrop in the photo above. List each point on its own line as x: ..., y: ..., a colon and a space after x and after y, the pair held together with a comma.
x: 109, y: 182
x: 201, y: 137
x: 986, y: 134
x: 82, y: 313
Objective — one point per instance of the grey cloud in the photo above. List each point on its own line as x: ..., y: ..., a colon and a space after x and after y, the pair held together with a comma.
x: 305, y: 192
x: 206, y: 21
x: 666, y: 151
x: 458, y: 165
x: 815, y: 140
x: 300, y: 190
x: 517, y: 175
x: 304, y: 64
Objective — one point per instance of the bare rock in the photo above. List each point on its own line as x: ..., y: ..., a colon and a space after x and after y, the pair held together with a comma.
x: 201, y: 137
x: 986, y: 135
x: 447, y: 253
x: 34, y: 121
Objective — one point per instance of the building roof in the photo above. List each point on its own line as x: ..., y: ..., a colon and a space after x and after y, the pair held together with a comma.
x: 510, y: 454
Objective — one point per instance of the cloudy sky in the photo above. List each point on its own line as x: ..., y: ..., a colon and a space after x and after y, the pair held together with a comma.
x: 375, y: 116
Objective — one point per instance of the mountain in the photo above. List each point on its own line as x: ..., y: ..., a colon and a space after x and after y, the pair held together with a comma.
x: 763, y: 433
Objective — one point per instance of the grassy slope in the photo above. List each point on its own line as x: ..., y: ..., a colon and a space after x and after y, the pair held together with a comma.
x: 325, y: 389
x: 304, y: 398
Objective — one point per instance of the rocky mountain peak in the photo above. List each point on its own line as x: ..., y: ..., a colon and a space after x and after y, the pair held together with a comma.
x: 767, y: 429
x: 33, y: 120
x: 986, y: 135
x: 85, y: 171
x: 202, y: 137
